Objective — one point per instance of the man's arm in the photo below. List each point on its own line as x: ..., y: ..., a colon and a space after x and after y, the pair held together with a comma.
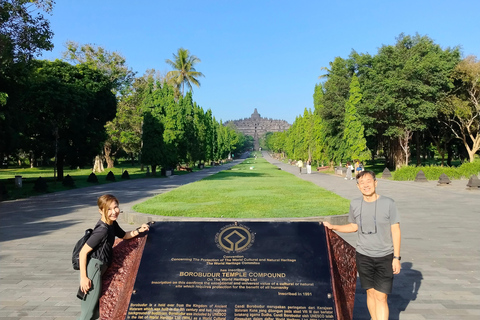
x: 345, y: 228
x: 396, y: 238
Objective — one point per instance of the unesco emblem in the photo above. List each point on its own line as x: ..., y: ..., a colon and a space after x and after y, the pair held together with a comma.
x: 234, y: 238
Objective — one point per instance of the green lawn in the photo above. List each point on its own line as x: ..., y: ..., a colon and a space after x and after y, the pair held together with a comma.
x: 252, y: 189
x: 29, y: 175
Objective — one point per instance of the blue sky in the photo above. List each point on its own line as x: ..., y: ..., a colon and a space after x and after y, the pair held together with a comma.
x: 258, y: 54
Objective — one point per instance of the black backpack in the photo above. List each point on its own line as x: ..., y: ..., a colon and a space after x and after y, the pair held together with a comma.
x: 78, y: 247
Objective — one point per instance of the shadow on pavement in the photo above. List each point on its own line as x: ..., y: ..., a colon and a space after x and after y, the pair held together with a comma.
x: 405, y: 289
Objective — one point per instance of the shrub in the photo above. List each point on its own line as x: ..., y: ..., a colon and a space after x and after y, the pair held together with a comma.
x: 68, y: 181
x: 110, y: 176
x: 434, y: 172
x: 40, y: 185
x: 468, y: 169
x: 92, y: 178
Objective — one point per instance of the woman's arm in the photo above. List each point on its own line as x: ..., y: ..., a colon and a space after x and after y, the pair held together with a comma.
x: 85, y: 282
x: 136, y: 232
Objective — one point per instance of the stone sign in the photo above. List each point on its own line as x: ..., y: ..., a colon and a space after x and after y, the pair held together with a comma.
x: 247, y: 270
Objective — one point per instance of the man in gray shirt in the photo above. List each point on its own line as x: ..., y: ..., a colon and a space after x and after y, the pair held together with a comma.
x: 377, y: 223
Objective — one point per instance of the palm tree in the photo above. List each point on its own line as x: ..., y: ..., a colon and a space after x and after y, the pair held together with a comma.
x: 184, y: 72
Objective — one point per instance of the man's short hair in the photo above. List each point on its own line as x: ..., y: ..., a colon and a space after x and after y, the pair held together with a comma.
x: 362, y: 173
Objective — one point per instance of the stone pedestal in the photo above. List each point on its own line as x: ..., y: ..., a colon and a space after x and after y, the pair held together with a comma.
x: 224, y: 270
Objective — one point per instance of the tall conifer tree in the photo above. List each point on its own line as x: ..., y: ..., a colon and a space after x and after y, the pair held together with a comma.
x: 354, y: 144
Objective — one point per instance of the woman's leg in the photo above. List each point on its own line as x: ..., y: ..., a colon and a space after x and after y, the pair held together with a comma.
x: 89, y: 306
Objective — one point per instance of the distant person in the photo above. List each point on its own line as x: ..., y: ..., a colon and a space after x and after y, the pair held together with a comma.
x: 309, y: 166
x: 349, y: 176
x: 377, y: 223
x: 96, y: 254
x: 356, y: 166
x: 300, y: 165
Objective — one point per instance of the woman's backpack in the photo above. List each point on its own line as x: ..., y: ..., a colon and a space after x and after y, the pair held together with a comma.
x: 78, y: 247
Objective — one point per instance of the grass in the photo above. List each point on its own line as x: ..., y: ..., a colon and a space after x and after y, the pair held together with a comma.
x: 29, y: 175
x: 252, y: 189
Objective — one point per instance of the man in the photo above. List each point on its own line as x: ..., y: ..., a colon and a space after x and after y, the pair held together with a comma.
x: 377, y: 223
x: 300, y: 165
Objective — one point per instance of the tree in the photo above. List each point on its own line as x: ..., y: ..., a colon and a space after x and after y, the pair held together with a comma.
x: 462, y: 106
x: 125, y: 130
x: 332, y: 112
x: 112, y: 64
x: 403, y: 85
x: 354, y: 142
x: 24, y: 32
x: 65, y: 109
x: 184, y: 73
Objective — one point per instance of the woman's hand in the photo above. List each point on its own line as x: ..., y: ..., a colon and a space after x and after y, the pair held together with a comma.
x: 85, y: 284
x: 144, y: 228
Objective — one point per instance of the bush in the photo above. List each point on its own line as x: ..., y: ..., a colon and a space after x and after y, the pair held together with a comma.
x: 110, y: 176
x: 40, y: 185
x: 68, y: 181
x: 434, y: 172
x: 468, y: 169
x: 125, y: 175
x: 92, y: 178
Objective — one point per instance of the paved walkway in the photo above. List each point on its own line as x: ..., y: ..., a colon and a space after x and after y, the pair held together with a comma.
x: 440, y: 277
x: 441, y: 259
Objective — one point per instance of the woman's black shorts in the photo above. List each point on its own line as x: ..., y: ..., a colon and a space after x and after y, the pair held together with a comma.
x: 376, y: 273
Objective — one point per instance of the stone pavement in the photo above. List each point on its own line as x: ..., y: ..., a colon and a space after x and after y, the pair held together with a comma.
x: 440, y: 277
x: 441, y: 260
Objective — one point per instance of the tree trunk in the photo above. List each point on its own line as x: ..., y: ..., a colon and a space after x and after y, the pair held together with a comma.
x: 32, y: 159
x: 60, y: 167
x: 107, y: 150
x: 419, y: 148
x: 403, y: 142
x: 154, y: 169
x: 449, y: 154
x: 98, y: 165
x: 132, y: 156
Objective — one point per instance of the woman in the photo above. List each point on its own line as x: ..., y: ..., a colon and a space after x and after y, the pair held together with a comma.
x: 100, y: 247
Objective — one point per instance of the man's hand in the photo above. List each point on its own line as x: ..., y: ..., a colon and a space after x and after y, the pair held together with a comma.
x: 328, y: 225
x: 396, y: 266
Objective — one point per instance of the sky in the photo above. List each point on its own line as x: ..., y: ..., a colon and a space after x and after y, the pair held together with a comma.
x: 258, y: 54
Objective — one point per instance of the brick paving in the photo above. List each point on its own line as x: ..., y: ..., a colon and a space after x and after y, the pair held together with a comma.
x: 440, y: 246
x: 440, y: 277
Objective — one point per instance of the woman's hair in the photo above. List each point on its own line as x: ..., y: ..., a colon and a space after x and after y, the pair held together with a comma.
x: 104, y: 203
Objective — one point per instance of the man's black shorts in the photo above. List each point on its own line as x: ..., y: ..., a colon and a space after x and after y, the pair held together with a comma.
x: 376, y: 273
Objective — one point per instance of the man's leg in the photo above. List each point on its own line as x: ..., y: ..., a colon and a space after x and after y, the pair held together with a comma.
x: 377, y: 304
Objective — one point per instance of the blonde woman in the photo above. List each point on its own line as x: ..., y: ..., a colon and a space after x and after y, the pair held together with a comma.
x: 96, y: 254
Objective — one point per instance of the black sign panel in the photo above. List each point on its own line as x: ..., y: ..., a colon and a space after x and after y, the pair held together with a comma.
x: 221, y: 270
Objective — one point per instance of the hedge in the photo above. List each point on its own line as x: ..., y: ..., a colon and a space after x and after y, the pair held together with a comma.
x: 433, y: 172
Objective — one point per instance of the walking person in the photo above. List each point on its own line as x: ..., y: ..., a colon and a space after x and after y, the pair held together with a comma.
x: 96, y: 254
x: 309, y: 166
x: 377, y: 223
x: 349, y: 176
x: 300, y: 165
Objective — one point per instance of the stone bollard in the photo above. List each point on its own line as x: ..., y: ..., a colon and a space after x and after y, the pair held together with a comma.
x: 443, y: 180
x: 18, y: 182
x: 420, y: 177
x: 386, y: 174
x: 473, y: 182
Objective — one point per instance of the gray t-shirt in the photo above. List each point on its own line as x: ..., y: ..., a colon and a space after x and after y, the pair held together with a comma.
x: 374, y: 221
